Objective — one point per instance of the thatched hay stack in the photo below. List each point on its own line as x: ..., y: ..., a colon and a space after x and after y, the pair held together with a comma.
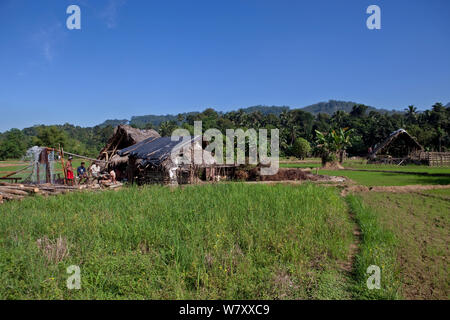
x: 124, y: 136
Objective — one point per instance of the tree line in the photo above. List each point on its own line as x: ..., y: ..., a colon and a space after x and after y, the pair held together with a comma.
x: 298, y: 129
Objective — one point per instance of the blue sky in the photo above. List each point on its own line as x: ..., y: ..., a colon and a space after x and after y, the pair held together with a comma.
x: 136, y: 57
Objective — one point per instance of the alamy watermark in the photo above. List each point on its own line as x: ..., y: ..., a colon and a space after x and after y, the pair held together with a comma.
x: 374, y: 280
x: 257, y: 144
x: 374, y: 20
x: 74, y: 280
x: 74, y: 20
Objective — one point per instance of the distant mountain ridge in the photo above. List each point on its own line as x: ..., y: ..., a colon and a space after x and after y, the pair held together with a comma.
x: 113, y: 123
x: 332, y: 106
x: 329, y: 107
x: 265, y: 110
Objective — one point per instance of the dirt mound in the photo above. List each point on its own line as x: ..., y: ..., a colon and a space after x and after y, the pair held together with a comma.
x: 247, y: 173
x: 241, y: 175
x: 289, y: 174
x: 332, y: 166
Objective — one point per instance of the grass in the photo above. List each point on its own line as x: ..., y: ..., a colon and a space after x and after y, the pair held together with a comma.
x: 419, y: 224
x: 10, y: 166
x: 368, y: 178
x: 361, y: 177
x: 224, y: 241
x: 300, y: 165
x: 444, y: 193
x: 406, y: 168
x: 378, y: 247
x: 231, y: 241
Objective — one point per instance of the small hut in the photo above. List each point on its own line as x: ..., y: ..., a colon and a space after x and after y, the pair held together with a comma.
x: 151, y: 161
x: 396, y: 149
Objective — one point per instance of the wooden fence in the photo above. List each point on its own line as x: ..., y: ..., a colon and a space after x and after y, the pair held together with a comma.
x: 433, y: 159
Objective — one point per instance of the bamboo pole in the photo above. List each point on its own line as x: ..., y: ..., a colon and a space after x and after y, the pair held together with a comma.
x: 61, y: 153
x: 83, y: 157
x: 15, y: 172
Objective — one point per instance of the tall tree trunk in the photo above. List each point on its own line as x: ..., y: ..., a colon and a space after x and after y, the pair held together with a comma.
x: 341, y: 156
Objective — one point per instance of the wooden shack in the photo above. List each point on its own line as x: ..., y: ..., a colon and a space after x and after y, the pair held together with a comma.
x: 398, y: 148
x: 152, y: 161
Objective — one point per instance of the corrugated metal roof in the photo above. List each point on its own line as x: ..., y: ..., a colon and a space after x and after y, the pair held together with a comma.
x: 155, y: 150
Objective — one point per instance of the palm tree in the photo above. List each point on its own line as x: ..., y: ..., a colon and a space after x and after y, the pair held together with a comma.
x: 440, y: 133
x: 288, y: 123
x: 166, y: 128
x: 411, y: 114
x: 338, y: 118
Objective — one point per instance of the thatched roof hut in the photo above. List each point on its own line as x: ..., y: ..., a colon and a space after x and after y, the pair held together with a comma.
x: 124, y: 136
x: 399, y: 144
x: 151, y: 160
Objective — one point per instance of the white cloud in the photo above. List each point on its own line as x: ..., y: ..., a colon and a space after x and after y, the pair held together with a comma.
x: 46, y: 40
x: 110, y: 13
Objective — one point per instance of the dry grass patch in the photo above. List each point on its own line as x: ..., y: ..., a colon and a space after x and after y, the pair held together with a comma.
x: 53, y: 250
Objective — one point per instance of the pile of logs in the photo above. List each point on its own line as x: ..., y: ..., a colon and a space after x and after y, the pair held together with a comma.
x: 14, y: 191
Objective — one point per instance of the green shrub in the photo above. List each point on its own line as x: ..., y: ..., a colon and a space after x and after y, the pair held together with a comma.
x: 301, y: 148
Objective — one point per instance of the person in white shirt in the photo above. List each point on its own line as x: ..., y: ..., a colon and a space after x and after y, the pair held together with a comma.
x: 95, y: 170
x: 113, y: 176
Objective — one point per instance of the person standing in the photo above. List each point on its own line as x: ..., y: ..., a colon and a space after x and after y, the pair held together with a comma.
x: 69, y: 171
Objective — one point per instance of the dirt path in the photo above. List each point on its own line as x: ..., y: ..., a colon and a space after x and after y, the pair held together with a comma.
x: 416, y: 173
x: 392, y: 189
x: 349, y: 265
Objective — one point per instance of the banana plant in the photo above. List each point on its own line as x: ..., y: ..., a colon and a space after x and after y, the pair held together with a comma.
x: 333, y: 143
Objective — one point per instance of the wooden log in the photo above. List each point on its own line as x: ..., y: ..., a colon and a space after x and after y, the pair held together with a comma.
x: 114, y: 186
x: 30, y: 190
x: 13, y: 191
x: 8, y: 184
x: 8, y: 196
x: 83, y: 157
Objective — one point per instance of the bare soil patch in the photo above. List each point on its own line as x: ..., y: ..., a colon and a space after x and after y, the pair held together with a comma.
x: 295, y: 174
x: 332, y: 166
x: 391, y: 189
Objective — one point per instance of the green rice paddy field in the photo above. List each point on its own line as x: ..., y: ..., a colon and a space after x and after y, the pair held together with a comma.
x: 230, y: 241
x: 380, y: 175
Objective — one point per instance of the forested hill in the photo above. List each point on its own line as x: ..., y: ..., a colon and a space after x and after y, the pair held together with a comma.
x: 431, y: 128
x: 265, y: 110
x: 113, y: 123
x: 156, y: 120
x: 332, y: 106
x: 329, y: 108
